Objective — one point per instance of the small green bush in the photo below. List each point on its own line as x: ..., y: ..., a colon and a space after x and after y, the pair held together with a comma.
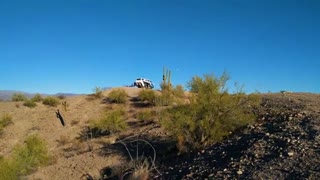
x: 118, y: 96
x: 37, y: 98
x: 145, y: 115
x: 25, y: 159
x: 31, y: 155
x: 50, y: 101
x: 97, y: 92
x: 30, y: 103
x: 111, y: 122
x: 5, y: 120
x: 148, y: 95
x: 18, y: 97
x: 8, y: 170
x: 211, y: 114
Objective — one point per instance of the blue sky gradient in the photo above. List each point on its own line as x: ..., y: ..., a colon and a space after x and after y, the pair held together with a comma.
x: 74, y: 45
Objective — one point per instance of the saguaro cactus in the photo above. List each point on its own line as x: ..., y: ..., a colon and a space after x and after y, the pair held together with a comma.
x: 65, y: 106
x: 166, y: 78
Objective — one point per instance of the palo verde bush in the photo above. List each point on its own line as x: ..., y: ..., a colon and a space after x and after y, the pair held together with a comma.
x: 50, y: 101
x: 211, y: 114
x: 118, y: 96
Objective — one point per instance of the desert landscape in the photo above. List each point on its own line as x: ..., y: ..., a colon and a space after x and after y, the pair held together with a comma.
x: 283, y: 142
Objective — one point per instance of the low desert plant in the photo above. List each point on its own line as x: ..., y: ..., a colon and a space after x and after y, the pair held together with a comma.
x: 145, y: 115
x: 37, y: 98
x: 18, y: 97
x: 32, y: 154
x: 65, y: 106
x: 211, y: 114
x: 29, y: 103
x: 25, y: 158
x: 118, y: 96
x: 8, y: 170
x: 148, y: 95
x: 97, y: 92
x: 111, y: 122
x: 5, y: 120
x: 50, y: 101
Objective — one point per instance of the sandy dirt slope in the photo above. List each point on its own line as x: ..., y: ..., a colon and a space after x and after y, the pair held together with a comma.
x: 72, y: 156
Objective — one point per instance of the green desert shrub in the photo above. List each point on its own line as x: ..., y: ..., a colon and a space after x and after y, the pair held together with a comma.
x: 5, y: 120
x: 25, y: 158
x: 145, y: 115
x: 178, y: 91
x: 29, y: 103
x: 118, y: 96
x: 97, y: 92
x: 148, y: 95
x: 37, y: 98
x: 18, y: 97
x: 50, y: 101
x: 211, y: 114
x: 32, y: 154
x: 111, y: 122
x: 8, y: 170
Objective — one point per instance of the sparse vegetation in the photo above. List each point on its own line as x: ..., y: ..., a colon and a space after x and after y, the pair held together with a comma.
x: 37, y: 98
x: 65, y: 106
x: 61, y: 96
x: 148, y: 95
x: 211, y: 114
x: 5, y: 120
x: 50, y: 101
x: 110, y: 122
x: 97, y: 92
x: 29, y: 103
x: 18, y: 97
x: 118, y: 96
x: 145, y: 115
x: 32, y: 154
x: 25, y: 158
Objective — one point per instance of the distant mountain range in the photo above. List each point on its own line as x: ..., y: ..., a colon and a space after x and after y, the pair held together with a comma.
x: 6, y: 95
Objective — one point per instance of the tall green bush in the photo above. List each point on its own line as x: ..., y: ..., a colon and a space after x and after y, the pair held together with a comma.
x: 211, y: 114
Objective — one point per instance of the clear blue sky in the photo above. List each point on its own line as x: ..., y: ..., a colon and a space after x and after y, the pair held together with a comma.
x: 53, y: 46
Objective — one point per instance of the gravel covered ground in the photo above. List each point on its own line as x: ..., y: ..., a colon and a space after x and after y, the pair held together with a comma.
x: 284, y: 143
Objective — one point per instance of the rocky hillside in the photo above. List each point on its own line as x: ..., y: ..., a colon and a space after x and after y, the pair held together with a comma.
x: 284, y: 143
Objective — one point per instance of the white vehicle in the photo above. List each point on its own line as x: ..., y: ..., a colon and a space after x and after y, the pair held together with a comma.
x: 143, y: 83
